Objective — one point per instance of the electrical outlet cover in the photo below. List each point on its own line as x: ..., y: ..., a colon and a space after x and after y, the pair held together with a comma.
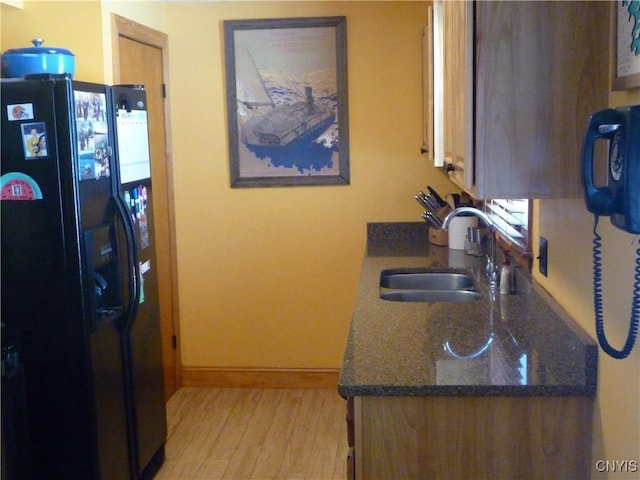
x: 543, y: 257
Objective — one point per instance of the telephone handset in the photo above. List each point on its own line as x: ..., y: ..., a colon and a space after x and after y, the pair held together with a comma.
x: 619, y: 199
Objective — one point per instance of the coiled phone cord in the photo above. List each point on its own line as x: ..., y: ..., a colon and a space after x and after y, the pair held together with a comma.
x: 597, y: 301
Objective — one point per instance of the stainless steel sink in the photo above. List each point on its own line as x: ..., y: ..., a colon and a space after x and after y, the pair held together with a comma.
x: 431, y: 295
x: 425, y: 280
x: 415, y: 285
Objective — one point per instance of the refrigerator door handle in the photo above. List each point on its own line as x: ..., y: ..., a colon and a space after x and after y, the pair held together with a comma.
x: 133, y: 263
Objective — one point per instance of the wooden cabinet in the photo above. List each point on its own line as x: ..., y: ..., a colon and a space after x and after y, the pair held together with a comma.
x: 351, y: 442
x: 472, y: 437
x: 520, y: 80
x: 458, y: 94
x: 427, y: 90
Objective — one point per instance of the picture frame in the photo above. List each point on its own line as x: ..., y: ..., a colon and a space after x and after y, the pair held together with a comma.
x: 626, y: 18
x: 287, y: 108
x: 34, y: 140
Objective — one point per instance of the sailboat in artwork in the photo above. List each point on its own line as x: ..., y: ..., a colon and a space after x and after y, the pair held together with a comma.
x: 264, y: 124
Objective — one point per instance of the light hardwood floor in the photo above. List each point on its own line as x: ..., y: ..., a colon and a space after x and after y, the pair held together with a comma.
x: 244, y: 434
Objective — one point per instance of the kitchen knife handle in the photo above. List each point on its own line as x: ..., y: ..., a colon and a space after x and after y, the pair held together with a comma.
x: 432, y: 191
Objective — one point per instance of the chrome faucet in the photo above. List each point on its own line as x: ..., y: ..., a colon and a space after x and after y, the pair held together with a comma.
x: 492, y: 267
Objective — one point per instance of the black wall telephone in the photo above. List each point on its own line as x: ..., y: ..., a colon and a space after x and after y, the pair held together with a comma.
x: 619, y: 199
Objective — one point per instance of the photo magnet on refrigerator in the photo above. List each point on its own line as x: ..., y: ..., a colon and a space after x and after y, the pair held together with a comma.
x: 19, y: 186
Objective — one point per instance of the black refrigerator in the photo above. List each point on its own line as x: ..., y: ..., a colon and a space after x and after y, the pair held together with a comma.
x: 80, y: 319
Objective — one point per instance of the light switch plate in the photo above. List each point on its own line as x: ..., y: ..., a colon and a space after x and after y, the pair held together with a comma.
x: 543, y: 256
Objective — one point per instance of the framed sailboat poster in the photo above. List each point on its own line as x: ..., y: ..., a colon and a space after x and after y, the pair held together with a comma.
x: 287, y: 112
x: 627, y: 42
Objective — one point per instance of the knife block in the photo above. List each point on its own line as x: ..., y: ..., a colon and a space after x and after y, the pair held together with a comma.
x: 438, y: 237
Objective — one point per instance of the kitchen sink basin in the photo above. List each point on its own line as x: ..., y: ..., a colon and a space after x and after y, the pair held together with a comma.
x: 421, y: 280
x: 427, y: 286
x: 430, y: 295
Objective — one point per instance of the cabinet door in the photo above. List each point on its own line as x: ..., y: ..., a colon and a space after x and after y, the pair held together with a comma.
x: 458, y: 90
x: 450, y: 84
x: 351, y: 442
x: 541, y: 70
x: 437, y: 24
x: 461, y: 18
x: 427, y: 89
x: 462, y: 437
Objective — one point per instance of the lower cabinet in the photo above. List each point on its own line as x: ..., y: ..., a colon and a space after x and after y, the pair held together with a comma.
x: 462, y: 437
x: 351, y: 455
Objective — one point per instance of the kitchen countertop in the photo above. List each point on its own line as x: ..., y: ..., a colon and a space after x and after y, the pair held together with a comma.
x: 523, y: 344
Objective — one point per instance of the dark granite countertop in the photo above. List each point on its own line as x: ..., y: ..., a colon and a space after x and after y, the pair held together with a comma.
x: 517, y: 345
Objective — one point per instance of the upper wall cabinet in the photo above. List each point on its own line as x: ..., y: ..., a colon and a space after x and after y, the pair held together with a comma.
x: 519, y: 81
x: 428, y: 96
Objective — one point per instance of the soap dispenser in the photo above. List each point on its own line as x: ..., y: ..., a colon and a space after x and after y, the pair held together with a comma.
x: 507, y: 279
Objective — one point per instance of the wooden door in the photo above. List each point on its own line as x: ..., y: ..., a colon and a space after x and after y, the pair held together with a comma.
x: 140, y: 57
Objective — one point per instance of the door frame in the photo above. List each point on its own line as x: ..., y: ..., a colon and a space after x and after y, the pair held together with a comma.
x: 124, y: 27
